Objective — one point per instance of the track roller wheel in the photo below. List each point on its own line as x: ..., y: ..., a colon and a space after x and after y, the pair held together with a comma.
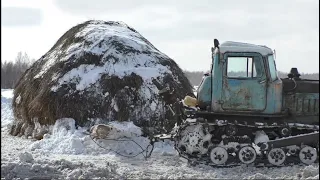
x: 308, y: 155
x: 293, y: 150
x: 247, y: 154
x: 219, y: 155
x: 276, y: 156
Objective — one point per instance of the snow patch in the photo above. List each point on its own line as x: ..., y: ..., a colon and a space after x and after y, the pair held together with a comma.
x: 87, y: 75
x: 230, y: 46
x: 114, y: 105
x: 26, y: 157
x: 18, y: 99
x: 259, y: 176
x: 67, y: 139
x: 165, y: 148
x: 52, y: 56
x: 7, y: 93
x: 191, y: 120
x: 6, y: 108
x: 310, y: 172
x: 153, y: 106
x: 261, y: 137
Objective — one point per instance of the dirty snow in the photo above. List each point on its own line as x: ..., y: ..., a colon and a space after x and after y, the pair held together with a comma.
x: 69, y: 153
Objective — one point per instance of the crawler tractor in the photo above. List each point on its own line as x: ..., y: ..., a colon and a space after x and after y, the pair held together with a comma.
x: 244, y: 113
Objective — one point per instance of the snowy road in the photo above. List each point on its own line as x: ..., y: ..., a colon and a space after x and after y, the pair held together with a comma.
x: 70, y: 154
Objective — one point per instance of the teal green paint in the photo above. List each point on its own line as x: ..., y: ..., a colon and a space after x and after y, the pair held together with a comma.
x: 244, y: 93
x: 262, y: 94
x: 274, y: 97
x: 249, y: 95
x: 216, y: 73
x: 204, y: 92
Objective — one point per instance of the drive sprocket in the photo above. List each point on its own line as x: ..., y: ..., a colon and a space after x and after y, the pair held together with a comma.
x: 194, y: 139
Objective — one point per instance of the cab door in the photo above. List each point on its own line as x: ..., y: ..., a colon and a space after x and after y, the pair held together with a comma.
x: 244, y: 83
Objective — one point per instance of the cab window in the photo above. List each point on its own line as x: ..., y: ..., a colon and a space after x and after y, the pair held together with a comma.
x: 272, y: 68
x: 241, y: 67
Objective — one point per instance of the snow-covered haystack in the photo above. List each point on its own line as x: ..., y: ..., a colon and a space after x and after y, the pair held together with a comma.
x: 97, y: 70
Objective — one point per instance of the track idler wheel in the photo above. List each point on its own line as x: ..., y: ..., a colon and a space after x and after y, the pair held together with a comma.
x: 247, y: 154
x: 308, y: 155
x: 219, y: 155
x: 276, y: 156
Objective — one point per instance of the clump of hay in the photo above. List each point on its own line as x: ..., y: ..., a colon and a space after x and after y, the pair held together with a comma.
x: 97, y: 71
x: 100, y: 131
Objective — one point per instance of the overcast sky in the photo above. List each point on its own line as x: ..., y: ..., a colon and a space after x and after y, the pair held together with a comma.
x: 182, y: 29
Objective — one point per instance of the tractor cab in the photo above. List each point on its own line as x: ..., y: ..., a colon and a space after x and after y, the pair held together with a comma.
x: 243, y: 78
x: 241, y: 100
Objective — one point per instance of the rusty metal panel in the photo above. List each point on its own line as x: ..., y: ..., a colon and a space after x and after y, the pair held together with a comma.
x: 204, y: 92
x: 274, y: 98
x: 217, y: 76
x: 302, y: 103
x: 244, y: 95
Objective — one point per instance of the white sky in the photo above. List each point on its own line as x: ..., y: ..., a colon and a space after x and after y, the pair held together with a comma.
x: 182, y: 29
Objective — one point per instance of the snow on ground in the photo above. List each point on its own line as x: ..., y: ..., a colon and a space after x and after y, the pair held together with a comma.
x: 69, y: 153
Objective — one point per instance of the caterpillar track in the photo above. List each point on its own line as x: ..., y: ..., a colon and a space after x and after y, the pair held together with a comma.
x: 229, y: 143
x: 196, y: 142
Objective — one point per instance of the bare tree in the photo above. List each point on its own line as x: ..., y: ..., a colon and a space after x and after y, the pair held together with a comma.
x: 12, y: 71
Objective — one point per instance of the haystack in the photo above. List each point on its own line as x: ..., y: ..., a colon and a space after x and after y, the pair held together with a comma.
x: 97, y: 72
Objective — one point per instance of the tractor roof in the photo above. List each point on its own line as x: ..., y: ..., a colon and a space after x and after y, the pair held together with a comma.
x: 230, y: 46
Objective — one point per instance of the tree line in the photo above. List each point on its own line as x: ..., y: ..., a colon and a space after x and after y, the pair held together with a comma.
x: 12, y: 71
x: 196, y: 76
